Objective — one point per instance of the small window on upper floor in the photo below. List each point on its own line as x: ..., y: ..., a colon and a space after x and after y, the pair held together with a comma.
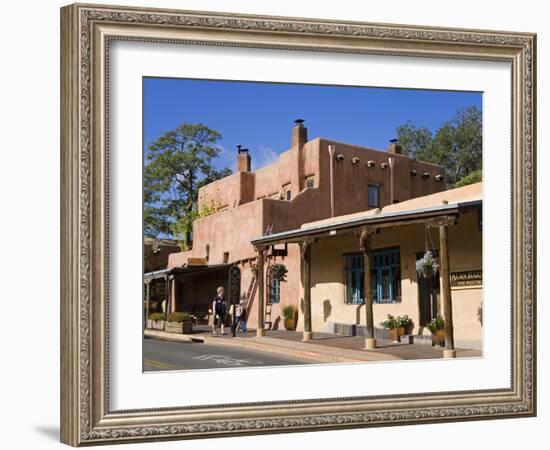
x: 310, y: 181
x: 374, y: 195
x: 287, y: 192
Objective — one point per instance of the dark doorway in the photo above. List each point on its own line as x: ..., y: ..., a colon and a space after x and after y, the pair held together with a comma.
x: 428, y: 294
x: 428, y: 298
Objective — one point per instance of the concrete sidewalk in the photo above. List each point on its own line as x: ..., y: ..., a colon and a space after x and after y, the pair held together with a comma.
x: 325, y: 347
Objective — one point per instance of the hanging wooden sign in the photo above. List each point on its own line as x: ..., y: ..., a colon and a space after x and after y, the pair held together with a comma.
x: 234, y: 285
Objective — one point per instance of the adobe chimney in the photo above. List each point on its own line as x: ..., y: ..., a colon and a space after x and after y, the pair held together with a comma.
x: 394, y: 147
x: 243, y: 159
x: 299, y: 134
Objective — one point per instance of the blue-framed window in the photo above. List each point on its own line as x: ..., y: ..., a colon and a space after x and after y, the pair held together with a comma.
x: 385, y: 277
x: 274, y: 290
x: 355, y: 279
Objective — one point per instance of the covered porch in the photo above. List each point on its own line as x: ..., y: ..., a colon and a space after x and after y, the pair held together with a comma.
x: 188, y: 289
x: 438, y: 213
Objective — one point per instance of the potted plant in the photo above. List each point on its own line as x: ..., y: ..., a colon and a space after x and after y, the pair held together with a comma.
x: 407, y: 323
x: 289, y: 314
x: 278, y: 272
x: 428, y: 265
x: 392, y: 324
x: 179, y: 322
x: 437, y: 328
x: 156, y: 321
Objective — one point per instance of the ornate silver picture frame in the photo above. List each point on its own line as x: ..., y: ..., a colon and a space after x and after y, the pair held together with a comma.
x: 87, y: 32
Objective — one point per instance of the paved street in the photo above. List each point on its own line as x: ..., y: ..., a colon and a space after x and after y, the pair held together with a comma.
x: 166, y: 355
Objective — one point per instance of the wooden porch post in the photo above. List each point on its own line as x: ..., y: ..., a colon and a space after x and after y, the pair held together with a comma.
x: 168, y: 301
x: 147, y: 299
x: 305, y: 251
x: 370, y: 341
x: 260, y: 330
x: 445, y: 280
x: 173, y: 297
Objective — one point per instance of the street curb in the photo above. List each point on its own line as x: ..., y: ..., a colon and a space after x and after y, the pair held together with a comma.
x: 316, y: 352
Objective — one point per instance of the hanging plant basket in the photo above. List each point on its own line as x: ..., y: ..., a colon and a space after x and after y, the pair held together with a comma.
x: 428, y: 265
x: 278, y: 272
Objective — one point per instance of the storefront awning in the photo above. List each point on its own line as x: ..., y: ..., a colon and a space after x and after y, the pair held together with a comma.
x: 184, y: 270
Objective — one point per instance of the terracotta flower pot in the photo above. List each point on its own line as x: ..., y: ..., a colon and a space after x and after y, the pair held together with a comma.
x: 394, y: 334
x: 290, y: 324
x: 438, y: 338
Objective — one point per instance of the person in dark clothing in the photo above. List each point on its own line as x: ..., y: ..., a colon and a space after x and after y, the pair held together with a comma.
x: 219, y: 310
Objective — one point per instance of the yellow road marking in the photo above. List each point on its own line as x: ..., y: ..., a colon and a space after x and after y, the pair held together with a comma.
x: 160, y: 365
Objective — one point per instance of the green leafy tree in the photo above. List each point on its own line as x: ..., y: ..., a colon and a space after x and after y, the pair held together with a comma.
x: 178, y: 163
x: 474, y: 177
x: 456, y: 145
x: 416, y: 141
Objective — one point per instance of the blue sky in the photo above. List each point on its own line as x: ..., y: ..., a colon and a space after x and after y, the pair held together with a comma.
x: 260, y: 116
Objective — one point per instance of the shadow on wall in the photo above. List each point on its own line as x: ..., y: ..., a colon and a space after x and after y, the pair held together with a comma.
x: 480, y: 314
x: 358, y: 313
x: 327, y: 309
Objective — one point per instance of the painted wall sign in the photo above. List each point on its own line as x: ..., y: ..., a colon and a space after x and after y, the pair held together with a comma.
x: 197, y: 262
x: 467, y: 278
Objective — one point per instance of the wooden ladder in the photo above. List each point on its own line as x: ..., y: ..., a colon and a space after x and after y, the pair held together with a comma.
x: 267, y: 318
x: 251, y: 295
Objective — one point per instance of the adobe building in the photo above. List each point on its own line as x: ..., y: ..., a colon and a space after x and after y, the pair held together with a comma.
x: 156, y: 251
x: 155, y: 261
x: 314, y: 184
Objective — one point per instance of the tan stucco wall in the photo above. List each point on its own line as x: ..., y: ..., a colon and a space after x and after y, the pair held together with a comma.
x: 227, y: 231
x: 224, y: 192
x: 329, y: 260
x: 465, y: 243
x: 247, y: 212
x: 312, y: 160
x: 352, y: 180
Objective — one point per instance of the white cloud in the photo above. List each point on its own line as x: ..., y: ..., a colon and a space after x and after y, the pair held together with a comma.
x: 262, y: 156
x: 226, y: 158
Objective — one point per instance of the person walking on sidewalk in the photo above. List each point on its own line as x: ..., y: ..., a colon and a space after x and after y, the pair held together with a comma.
x: 241, y: 315
x: 219, y: 307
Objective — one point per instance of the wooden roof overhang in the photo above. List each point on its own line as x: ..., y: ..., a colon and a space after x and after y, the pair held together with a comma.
x: 446, y: 212
x: 184, y: 270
